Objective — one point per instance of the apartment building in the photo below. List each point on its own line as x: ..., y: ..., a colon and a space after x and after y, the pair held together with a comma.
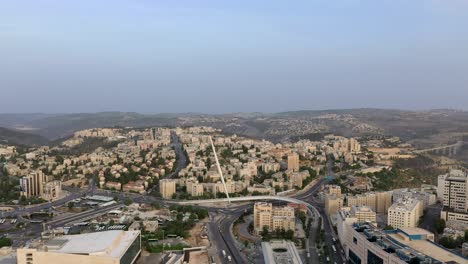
x: 195, y: 188
x: 377, y: 201
x: 332, y: 189
x: 33, y: 184
x: 167, y: 187
x: 333, y: 203
x: 273, y: 217
x: 293, y: 162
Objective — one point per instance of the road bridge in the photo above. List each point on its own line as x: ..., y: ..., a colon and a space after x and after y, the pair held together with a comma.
x: 449, y: 150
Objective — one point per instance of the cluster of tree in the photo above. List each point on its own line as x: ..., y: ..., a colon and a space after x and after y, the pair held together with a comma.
x: 201, y: 213
x: 405, y: 173
x: 8, y: 189
x: 451, y: 243
x: 5, y: 242
x: 31, y: 200
x: 277, y: 234
x: 440, y: 226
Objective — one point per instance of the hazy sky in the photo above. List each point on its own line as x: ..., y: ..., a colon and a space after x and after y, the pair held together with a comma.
x: 232, y: 55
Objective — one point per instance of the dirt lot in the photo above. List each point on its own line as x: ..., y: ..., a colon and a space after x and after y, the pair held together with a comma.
x: 195, y: 238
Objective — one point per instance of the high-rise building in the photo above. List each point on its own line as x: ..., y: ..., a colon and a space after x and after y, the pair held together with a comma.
x: 452, y: 189
x: 167, y: 187
x: 405, y: 213
x: 33, y: 184
x: 293, y: 162
x: 273, y: 217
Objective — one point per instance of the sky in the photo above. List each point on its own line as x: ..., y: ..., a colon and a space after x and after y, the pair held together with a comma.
x: 211, y: 56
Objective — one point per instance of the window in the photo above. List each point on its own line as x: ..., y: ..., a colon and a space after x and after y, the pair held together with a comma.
x: 353, y: 258
x: 373, y: 259
x: 132, y: 252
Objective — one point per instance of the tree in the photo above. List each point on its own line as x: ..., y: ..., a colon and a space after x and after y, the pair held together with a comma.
x: 5, y: 242
x: 289, y: 234
x: 450, y: 242
x: 440, y: 226
x: 128, y: 201
x: 71, y: 205
x: 265, y: 231
x: 389, y: 227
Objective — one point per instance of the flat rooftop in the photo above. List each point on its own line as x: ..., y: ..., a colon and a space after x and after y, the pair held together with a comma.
x: 280, y: 252
x: 109, y: 243
x: 431, y: 250
x: 397, y: 242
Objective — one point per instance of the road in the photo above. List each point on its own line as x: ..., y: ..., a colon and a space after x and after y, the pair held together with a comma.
x: 219, y: 231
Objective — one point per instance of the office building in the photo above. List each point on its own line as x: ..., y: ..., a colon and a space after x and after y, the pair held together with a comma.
x: 167, y: 188
x: 347, y: 216
x: 109, y: 247
x: 405, y: 213
x: 364, y: 243
x: 293, y: 162
x: 273, y: 217
x: 452, y: 190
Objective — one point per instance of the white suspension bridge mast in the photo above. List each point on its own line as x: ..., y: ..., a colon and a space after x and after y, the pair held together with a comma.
x: 219, y: 170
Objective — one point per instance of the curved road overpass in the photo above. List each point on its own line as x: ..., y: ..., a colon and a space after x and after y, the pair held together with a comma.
x: 245, y: 199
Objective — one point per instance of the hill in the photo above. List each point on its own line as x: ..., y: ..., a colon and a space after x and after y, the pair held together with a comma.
x: 15, y: 137
x: 422, y: 128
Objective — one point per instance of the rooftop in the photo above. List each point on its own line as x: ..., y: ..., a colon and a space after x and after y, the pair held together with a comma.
x: 280, y: 252
x: 408, y: 244
x: 111, y: 243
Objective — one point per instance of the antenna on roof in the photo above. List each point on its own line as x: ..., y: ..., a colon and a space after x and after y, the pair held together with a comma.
x: 219, y: 170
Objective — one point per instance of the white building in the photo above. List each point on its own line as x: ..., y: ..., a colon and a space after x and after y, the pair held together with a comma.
x: 405, y: 213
